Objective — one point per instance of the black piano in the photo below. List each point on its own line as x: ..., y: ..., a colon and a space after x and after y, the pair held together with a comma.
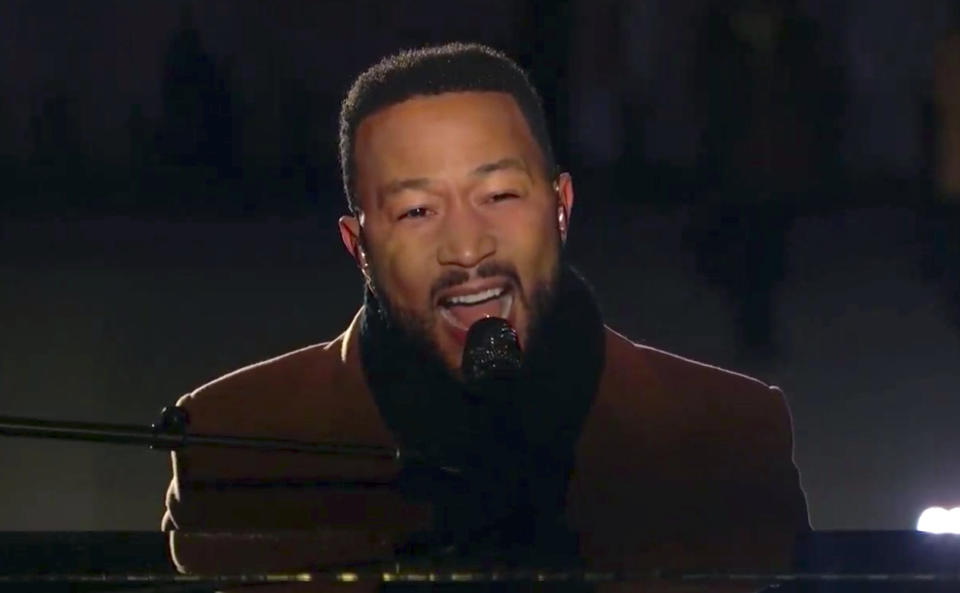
x: 882, y: 561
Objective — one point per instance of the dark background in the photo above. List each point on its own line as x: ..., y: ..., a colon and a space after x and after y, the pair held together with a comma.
x: 756, y: 187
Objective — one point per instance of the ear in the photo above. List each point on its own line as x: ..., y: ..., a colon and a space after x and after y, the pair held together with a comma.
x: 350, y: 235
x: 563, y: 188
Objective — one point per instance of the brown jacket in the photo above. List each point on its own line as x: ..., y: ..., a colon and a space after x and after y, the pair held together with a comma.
x: 678, y: 464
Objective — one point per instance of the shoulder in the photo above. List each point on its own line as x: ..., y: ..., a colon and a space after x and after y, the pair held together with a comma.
x: 229, y: 401
x: 647, y: 364
x: 660, y: 383
x: 285, y: 369
x: 313, y: 394
x: 694, y: 428
x: 275, y: 390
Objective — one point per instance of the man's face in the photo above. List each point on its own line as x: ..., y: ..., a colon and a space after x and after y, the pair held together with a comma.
x: 459, y: 220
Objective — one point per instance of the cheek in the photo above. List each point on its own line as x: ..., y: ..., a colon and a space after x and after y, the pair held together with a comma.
x: 535, y: 245
x: 405, y: 273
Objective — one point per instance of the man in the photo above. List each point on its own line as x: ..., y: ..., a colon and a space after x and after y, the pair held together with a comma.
x: 623, y: 454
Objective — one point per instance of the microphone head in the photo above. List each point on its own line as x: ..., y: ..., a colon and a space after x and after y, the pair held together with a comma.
x: 492, y: 352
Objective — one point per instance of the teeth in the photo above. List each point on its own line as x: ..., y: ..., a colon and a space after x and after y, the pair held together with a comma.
x: 470, y: 299
x: 505, y: 305
x: 449, y: 318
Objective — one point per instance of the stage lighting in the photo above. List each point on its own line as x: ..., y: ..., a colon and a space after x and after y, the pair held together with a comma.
x: 939, y: 520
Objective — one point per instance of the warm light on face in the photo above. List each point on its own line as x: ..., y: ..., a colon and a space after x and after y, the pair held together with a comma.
x: 461, y: 221
x: 939, y: 520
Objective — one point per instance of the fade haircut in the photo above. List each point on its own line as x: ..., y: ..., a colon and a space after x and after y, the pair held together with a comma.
x: 455, y: 67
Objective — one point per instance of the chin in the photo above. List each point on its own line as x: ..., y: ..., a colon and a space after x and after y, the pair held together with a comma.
x: 452, y: 362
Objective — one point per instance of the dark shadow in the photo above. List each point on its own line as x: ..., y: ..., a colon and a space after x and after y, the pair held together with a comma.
x: 196, y: 137
x: 771, y: 103
x: 56, y: 163
x: 940, y: 230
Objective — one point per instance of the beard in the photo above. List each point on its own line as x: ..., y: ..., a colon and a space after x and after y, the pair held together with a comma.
x: 418, y: 327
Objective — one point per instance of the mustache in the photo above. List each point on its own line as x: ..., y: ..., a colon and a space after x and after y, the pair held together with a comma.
x: 489, y: 269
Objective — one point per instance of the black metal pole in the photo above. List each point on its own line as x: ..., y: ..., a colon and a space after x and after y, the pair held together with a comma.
x: 160, y: 439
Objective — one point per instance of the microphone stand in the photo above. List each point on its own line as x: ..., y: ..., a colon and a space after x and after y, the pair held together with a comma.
x: 170, y: 434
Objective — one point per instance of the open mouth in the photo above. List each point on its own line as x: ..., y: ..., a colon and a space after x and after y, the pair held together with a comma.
x: 462, y: 311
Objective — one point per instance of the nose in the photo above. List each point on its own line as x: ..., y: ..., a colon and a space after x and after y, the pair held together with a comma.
x: 467, y: 238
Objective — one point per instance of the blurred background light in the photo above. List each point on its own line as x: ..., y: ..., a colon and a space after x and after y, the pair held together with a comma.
x: 939, y: 520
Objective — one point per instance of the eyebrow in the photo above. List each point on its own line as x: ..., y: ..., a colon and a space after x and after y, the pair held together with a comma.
x: 400, y: 185
x: 507, y: 163
x: 420, y: 183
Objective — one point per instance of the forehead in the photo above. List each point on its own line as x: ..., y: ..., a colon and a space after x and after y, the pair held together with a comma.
x: 442, y: 136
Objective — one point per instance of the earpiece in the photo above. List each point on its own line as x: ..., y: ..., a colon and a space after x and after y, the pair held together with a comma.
x: 561, y: 213
x: 364, y: 265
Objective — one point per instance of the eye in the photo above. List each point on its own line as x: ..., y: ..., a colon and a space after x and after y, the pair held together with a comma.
x: 419, y: 212
x: 503, y: 196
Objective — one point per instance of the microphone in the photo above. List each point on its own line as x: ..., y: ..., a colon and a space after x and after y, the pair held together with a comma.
x: 491, y: 370
x: 491, y: 355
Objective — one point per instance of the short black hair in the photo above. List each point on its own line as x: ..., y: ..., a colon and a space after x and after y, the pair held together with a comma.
x: 455, y: 67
